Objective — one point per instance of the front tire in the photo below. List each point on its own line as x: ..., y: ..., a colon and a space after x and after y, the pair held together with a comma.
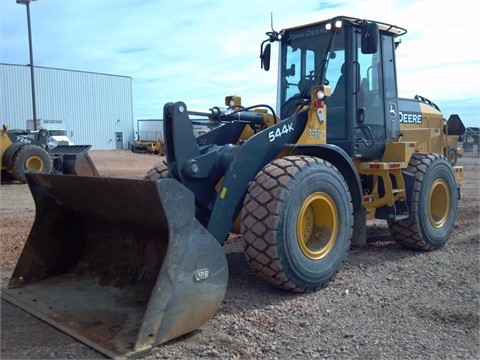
x: 433, y: 206
x: 159, y: 171
x: 30, y: 158
x: 297, y: 223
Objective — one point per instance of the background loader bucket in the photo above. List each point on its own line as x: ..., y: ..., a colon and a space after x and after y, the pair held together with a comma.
x: 73, y: 160
x: 122, y: 265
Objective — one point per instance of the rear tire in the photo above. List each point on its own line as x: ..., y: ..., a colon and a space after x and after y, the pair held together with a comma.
x: 140, y: 149
x: 30, y: 158
x: 159, y: 171
x: 297, y: 223
x: 433, y: 207
x: 452, y: 155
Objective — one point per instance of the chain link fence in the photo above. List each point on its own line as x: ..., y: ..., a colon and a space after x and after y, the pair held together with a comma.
x: 470, y: 142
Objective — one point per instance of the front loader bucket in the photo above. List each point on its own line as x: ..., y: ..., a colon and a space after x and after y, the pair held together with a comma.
x: 120, y: 264
x: 73, y: 160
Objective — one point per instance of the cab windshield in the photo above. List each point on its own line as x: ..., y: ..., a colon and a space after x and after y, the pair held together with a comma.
x: 303, y: 54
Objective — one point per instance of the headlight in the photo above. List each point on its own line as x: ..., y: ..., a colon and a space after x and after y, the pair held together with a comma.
x: 320, y: 95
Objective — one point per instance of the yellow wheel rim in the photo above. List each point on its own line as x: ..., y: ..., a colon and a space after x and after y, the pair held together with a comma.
x: 438, y: 203
x: 317, y: 226
x: 34, y: 163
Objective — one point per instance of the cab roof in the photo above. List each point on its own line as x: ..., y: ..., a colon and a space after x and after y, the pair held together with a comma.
x: 393, y: 29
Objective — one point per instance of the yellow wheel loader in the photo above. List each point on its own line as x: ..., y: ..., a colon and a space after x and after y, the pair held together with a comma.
x: 20, y: 154
x: 23, y: 151
x: 300, y: 184
x: 149, y: 146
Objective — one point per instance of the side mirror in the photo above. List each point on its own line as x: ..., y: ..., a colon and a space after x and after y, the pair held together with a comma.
x: 370, y: 36
x: 265, y: 57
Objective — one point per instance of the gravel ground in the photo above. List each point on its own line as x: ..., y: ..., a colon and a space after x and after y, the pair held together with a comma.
x: 386, y: 303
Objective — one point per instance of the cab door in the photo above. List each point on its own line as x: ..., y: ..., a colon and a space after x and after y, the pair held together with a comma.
x: 377, y: 100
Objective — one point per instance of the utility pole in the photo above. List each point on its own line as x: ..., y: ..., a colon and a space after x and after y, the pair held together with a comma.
x: 32, y: 71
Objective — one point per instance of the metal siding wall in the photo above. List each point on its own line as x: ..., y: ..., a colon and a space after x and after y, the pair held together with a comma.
x: 15, y: 96
x: 94, y: 106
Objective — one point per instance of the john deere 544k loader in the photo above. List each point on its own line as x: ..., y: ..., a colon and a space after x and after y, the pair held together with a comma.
x: 300, y: 187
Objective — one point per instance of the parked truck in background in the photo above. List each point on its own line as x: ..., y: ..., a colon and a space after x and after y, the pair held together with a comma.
x: 56, y: 131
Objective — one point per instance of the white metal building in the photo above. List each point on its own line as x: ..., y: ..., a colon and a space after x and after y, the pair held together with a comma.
x: 96, y: 108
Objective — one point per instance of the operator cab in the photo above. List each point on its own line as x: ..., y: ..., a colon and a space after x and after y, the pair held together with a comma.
x: 356, y: 59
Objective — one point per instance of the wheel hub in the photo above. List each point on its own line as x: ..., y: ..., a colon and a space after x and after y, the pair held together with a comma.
x: 439, y: 203
x: 34, y: 163
x: 317, y: 226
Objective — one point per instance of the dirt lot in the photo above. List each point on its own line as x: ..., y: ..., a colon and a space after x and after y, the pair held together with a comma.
x: 386, y: 303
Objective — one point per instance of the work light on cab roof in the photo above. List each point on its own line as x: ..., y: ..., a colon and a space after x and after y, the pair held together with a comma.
x: 337, y: 24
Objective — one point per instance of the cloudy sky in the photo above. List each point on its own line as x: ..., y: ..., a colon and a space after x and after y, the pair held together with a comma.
x: 200, y: 51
